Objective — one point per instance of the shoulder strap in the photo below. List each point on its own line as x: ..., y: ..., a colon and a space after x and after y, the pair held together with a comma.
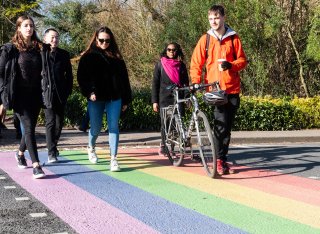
x: 204, y: 70
x: 234, y: 52
x: 207, y: 44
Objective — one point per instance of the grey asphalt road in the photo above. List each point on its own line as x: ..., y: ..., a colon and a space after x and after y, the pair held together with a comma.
x: 20, y: 212
x: 298, y: 159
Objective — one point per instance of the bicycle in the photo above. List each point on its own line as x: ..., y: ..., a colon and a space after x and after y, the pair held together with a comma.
x: 179, y: 140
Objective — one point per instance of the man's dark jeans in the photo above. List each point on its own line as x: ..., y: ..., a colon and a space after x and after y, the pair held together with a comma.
x: 54, y: 123
x: 224, y: 116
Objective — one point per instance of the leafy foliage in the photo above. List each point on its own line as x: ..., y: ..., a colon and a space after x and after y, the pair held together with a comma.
x: 255, y: 113
x: 313, y: 47
x: 75, y: 23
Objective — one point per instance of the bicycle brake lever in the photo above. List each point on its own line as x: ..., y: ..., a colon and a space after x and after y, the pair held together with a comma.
x: 171, y: 87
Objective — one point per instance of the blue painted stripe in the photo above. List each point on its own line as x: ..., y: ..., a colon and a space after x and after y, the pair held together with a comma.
x: 160, y: 214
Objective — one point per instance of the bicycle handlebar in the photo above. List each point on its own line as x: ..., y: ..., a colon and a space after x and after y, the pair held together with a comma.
x: 192, y: 88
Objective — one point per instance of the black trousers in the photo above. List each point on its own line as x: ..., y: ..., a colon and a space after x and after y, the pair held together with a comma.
x: 28, y: 116
x: 224, y: 118
x: 54, y: 123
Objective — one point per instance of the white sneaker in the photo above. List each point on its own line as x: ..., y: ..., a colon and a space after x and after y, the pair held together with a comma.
x: 114, y: 166
x: 92, y: 155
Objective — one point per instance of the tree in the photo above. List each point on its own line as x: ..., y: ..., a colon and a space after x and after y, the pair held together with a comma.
x: 74, y: 21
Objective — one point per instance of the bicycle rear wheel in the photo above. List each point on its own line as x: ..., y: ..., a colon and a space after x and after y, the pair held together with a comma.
x: 173, y: 141
x: 206, y: 145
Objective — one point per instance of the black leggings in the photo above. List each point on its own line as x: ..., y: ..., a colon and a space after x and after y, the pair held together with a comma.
x: 28, y: 115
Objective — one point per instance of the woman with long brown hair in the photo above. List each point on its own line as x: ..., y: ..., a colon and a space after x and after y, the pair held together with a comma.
x: 22, y: 68
x: 103, y: 80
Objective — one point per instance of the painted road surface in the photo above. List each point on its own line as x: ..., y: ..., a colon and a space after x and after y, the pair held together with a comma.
x: 151, y: 196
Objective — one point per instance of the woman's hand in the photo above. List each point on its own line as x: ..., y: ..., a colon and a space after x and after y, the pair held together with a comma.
x: 93, y: 97
x: 155, y: 107
x: 124, y: 107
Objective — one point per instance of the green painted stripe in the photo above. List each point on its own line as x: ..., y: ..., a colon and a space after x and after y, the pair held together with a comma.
x: 234, y: 214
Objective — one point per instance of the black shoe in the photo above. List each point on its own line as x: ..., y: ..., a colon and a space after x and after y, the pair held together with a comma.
x: 82, y: 129
x: 38, y: 172
x: 52, y: 158
x: 18, y: 135
x: 22, y: 163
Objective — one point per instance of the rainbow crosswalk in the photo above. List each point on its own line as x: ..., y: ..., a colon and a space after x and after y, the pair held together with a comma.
x: 150, y: 196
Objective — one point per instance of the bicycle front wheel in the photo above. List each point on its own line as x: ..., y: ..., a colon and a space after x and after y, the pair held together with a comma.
x: 174, y: 143
x: 206, y: 145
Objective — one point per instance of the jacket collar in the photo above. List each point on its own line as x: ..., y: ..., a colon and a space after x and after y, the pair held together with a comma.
x: 229, y: 32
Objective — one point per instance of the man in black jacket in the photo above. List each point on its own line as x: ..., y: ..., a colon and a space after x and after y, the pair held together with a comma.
x: 61, y: 87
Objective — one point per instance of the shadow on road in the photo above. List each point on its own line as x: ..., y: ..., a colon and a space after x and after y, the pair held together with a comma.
x: 297, y: 160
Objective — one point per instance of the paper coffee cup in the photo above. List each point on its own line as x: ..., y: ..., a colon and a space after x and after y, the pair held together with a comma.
x: 219, y: 64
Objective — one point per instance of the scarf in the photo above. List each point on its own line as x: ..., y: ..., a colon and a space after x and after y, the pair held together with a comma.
x: 172, y: 68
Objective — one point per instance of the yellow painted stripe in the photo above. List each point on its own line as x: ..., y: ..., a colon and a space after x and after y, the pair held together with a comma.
x: 287, y: 208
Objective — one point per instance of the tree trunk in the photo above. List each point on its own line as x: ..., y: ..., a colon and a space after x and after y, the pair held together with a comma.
x: 300, y: 63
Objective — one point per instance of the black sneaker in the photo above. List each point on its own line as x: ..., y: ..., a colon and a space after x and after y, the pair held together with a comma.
x: 18, y: 135
x: 52, y: 158
x: 38, y: 172
x: 22, y: 163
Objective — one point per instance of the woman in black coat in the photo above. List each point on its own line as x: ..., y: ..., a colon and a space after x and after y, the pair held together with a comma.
x: 103, y: 80
x: 23, y: 70
x: 168, y: 71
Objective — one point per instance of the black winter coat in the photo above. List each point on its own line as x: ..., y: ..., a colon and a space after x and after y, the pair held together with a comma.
x: 8, y: 75
x: 62, y: 78
x: 106, y: 77
x: 161, y: 81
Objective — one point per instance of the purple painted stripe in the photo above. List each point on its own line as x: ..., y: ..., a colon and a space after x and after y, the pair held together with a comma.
x: 81, y: 210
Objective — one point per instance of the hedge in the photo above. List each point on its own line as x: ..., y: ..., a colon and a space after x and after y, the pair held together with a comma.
x: 255, y: 113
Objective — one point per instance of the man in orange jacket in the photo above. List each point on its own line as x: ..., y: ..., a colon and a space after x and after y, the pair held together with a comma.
x: 220, y: 43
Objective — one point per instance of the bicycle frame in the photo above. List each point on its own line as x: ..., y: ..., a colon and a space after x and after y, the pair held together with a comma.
x: 177, y: 139
x: 175, y: 109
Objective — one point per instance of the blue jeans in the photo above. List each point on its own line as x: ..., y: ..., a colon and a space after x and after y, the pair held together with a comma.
x: 113, y: 110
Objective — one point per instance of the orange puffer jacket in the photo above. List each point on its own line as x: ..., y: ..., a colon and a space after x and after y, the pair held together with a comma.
x: 229, y: 79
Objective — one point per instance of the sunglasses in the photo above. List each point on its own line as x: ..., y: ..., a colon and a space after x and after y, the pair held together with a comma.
x: 104, y: 40
x: 171, y: 50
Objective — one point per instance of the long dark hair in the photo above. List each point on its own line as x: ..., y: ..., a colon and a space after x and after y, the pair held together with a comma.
x: 179, y: 54
x: 18, y: 39
x: 112, y: 50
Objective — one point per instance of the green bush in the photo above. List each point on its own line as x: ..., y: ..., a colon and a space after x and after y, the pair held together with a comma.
x: 140, y: 115
x: 75, y: 109
x: 255, y: 113
x: 267, y: 114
